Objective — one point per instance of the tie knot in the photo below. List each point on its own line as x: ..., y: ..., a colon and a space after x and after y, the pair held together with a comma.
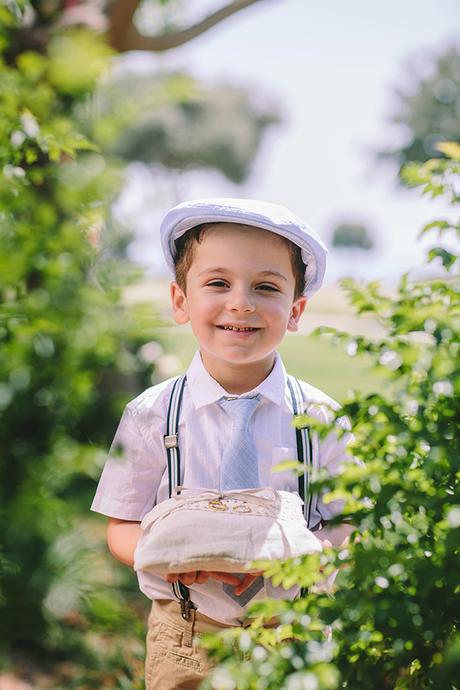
x: 240, y: 410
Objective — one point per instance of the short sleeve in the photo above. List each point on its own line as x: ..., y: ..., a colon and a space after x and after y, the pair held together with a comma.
x: 333, y: 458
x: 133, y: 471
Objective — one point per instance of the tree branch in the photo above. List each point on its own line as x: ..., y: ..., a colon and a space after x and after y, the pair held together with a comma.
x: 124, y: 36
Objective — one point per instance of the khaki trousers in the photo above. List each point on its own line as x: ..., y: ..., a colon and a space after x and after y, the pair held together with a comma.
x: 173, y: 660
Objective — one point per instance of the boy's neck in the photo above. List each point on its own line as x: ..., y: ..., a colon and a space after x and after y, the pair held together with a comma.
x: 239, y: 378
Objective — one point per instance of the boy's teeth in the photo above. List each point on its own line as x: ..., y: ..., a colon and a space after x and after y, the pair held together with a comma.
x: 233, y: 328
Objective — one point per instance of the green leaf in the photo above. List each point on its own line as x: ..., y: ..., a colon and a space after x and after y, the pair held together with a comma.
x: 451, y: 149
x: 285, y: 465
x: 448, y: 259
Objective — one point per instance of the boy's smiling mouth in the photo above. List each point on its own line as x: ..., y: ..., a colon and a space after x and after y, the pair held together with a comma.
x: 237, y: 329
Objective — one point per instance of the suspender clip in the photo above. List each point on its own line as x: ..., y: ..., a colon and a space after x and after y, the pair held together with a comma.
x: 171, y: 440
x: 186, y: 607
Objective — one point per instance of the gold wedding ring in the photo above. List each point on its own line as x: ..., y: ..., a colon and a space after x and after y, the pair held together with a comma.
x: 216, y: 504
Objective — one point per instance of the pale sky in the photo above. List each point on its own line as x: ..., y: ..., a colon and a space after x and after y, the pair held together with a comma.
x: 330, y: 68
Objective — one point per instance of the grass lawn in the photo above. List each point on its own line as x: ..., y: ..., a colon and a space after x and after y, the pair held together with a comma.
x: 327, y: 366
x: 313, y: 359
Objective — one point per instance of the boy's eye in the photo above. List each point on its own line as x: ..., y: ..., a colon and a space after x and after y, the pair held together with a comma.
x: 223, y: 284
x: 217, y: 283
x: 266, y: 286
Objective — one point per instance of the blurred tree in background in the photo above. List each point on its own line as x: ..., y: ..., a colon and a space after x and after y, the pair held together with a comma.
x: 352, y: 235
x: 427, y: 110
x: 126, y: 24
x: 182, y: 124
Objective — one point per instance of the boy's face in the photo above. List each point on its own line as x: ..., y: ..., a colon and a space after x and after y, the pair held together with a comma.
x: 239, y: 298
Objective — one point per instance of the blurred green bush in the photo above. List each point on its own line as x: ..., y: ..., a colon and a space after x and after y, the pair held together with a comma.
x: 69, y: 352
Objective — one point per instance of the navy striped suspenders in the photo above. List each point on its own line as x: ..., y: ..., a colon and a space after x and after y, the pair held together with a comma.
x: 304, y: 449
x: 304, y: 444
x: 171, y: 441
x: 171, y: 436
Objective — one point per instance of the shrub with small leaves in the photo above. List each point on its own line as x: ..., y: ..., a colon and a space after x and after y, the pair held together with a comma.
x: 69, y: 351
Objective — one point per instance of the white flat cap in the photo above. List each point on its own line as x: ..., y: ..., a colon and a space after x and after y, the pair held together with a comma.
x: 259, y: 214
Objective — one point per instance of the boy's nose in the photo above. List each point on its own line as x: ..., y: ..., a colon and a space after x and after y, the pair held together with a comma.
x: 240, y: 300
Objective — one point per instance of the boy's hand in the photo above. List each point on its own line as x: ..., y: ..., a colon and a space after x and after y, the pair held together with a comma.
x: 246, y: 582
x: 200, y: 576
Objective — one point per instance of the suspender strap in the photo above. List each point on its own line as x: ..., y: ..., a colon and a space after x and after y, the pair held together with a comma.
x: 304, y: 448
x: 171, y: 441
x: 171, y: 438
x: 304, y: 455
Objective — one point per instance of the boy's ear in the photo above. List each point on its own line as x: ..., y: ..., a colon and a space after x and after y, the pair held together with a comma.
x: 179, y: 304
x: 297, y: 310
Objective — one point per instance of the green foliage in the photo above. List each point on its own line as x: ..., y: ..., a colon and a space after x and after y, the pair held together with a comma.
x: 68, y: 349
x: 427, y: 112
x: 76, y: 61
x: 392, y: 622
x: 352, y: 235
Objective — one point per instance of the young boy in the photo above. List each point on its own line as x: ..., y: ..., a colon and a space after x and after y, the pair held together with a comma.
x: 244, y: 271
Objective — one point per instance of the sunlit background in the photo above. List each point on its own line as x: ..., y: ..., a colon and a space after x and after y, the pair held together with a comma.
x: 332, y: 73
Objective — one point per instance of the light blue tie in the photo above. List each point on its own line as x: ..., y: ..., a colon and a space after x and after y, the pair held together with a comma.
x: 239, y: 461
x: 239, y: 469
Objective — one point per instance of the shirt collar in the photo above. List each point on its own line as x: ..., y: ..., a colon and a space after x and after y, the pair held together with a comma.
x: 204, y: 390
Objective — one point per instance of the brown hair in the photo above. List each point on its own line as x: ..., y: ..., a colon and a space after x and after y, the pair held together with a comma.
x: 184, y: 257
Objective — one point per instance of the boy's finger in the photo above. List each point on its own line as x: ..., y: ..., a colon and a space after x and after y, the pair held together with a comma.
x: 188, y: 578
x: 172, y: 577
x: 225, y: 577
x: 245, y: 583
x: 202, y: 577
